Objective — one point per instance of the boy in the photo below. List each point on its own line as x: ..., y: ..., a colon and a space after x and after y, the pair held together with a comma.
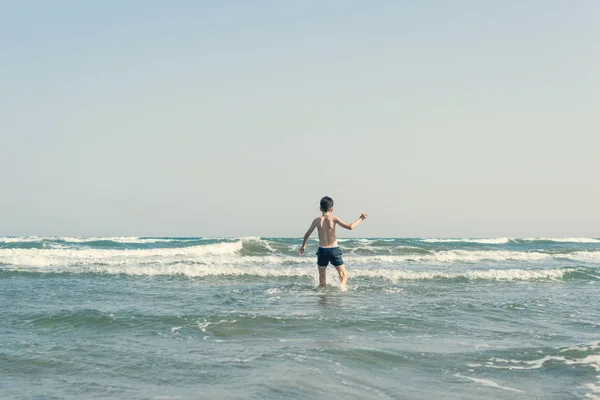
x: 328, y: 245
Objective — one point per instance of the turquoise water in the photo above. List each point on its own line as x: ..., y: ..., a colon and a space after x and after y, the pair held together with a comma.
x: 168, y: 318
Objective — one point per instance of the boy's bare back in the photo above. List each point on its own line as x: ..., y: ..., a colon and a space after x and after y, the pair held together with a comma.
x: 325, y: 225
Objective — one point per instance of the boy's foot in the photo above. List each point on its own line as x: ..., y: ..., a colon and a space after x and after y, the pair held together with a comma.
x: 343, y: 288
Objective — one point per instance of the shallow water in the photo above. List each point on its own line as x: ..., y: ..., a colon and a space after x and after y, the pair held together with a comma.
x: 241, y: 318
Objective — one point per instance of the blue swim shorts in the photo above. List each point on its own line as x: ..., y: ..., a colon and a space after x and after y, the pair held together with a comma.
x: 326, y: 255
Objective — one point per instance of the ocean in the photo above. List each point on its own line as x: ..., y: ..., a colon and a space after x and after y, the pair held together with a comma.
x: 242, y: 318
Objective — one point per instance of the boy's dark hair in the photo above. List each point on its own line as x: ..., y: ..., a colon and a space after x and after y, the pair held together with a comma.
x: 326, y: 203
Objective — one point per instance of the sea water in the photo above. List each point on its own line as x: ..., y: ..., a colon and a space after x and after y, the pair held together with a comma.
x: 241, y: 318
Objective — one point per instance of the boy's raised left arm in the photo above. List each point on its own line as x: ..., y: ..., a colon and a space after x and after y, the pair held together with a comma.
x: 351, y: 226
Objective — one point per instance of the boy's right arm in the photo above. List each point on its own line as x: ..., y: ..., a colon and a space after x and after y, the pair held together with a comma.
x: 307, y: 235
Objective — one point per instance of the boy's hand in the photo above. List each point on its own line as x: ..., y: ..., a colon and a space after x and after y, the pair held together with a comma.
x: 302, y: 249
x: 363, y: 215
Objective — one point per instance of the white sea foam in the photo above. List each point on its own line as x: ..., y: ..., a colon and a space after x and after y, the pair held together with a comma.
x: 192, y: 271
x: 487, y: 382
x: 469, y: 256
x: 491, y: 274
x: 590, y: 347
x: 267, y: 270
x: 69, y: 257
x: 594, y: 393
x: 393, y: 290
x: 591, y: 360
x: 20, y: 239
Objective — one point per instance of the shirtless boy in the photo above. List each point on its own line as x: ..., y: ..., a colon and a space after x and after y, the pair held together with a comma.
x: 329, y: 250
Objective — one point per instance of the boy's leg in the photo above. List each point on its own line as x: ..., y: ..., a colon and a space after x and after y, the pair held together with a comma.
x: 343, y: 277
x: 322, y: 276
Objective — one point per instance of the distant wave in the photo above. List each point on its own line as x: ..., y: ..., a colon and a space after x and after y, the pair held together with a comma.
x: 505, y: 240
x: 564, y: 240
x: 14, y: 239
x: 115, y: 239
x: 363, y: 241
x: 502, y: 240
x: 259, y: 252
x: 122, y: 239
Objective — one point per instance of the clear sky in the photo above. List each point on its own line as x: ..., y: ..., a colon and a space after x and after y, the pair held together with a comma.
x: 233, y: 118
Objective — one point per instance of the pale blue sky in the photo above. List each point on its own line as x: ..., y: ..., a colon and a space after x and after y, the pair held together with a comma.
x: 233, y: 118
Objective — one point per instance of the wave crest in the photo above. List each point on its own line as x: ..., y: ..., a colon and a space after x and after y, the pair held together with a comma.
x: 392, y: 275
